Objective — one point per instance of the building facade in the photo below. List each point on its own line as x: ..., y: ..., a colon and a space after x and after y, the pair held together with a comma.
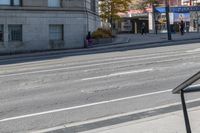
x: 170, y: 2
x: 35, y: 25
x: 191, y: 2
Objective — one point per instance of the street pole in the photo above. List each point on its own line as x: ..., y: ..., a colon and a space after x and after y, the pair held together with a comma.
x: 198, y: 25
x: 154, y: 17
x: 197, y: 21
x: 111, y: 17
x: 167, y: 19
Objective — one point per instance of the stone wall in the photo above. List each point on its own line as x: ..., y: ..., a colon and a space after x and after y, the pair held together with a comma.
x: 65, y: 4
x: 36, y: 29
x: 35, y: 25
x: 35, y: 3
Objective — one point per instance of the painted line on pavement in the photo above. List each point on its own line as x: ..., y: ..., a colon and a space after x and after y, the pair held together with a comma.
x: 47, y: 56
x: 194, y: 50
x: 62, y: 61
x: 83, y: 66
x: 82, y: 106
x: 110, y: 117
x: 118, y: 74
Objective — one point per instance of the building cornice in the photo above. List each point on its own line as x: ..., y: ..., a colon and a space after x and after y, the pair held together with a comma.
x: 8, y: 8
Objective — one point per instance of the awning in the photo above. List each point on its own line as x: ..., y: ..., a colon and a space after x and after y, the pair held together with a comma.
x: 178, y: 9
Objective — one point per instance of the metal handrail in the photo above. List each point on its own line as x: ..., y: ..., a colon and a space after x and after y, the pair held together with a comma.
x: 187, y: 83
x: 187, y: 87
x: 192, y: 88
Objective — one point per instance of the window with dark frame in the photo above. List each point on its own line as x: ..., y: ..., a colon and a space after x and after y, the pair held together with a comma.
x: 1, y: 33
x: 54, y: 3
x: 5, y: 2
x: 93, y: 5
x: 11, y: 2
x: 15, y: 32
x: 56, y: 32
x: 16, y: 2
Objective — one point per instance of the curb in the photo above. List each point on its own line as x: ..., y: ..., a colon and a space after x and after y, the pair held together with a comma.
x: 59, y: 52
x: 163, y: 41
x: 144, y: 120
x: 122, y: 44
x: 111, y: 44
x: 107, y: 123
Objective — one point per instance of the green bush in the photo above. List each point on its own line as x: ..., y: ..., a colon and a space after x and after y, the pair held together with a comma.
x: 102, y: 33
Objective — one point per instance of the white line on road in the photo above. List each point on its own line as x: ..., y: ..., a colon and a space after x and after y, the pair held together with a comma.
x: 194, y: 50
x: 118, y: 74
x: 58, y: 59
x: 83, y: 106
x: 89, y: 65
x: 111, y: 117
x: 31, y: 72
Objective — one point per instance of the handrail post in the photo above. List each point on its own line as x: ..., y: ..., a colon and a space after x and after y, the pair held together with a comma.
x: 185, y: 113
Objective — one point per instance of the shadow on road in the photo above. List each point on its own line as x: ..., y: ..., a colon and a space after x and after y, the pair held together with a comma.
x: 14, y: 59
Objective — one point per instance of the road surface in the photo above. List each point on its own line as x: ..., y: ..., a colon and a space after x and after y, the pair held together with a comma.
x: 49, y: 91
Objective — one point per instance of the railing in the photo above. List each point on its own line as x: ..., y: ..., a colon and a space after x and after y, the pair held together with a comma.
x: 187, y: 87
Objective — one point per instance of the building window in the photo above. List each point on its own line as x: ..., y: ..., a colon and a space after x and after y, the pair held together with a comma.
x: 1, y: 33
x: 16, y: 2
x: 54, y: 3
x: 11, y: 2
x: 4, y: 2
x: 15, y: 32
x: 56, y: 32
x: 93, y: 5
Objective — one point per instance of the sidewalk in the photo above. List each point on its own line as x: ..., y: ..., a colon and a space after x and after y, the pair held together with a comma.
x: 138, y: 39
x: 151, y: 38
x: 167, y: 123
x: 122, y: 40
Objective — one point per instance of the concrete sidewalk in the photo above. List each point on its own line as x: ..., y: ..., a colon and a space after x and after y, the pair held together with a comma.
x: 167, y: 123
x: 122, y: 41
x: 135, y: 39
x: 138, y: 38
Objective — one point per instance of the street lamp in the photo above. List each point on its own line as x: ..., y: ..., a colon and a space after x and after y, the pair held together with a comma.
x: 197, y: 16
x: 167, y: 19
x: 154, y: 5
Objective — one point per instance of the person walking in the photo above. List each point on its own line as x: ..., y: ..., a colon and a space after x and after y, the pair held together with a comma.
x: 89, y: 39
x: 182, y: 26
x: 143, y: 28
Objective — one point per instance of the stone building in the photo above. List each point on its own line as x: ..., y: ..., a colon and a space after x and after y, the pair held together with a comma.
x: 35, y: 25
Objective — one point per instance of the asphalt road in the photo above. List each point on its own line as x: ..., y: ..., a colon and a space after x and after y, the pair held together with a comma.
x: 46, y: 93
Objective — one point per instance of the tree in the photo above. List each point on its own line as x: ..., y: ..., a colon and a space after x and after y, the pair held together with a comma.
x: 138, y: 5
x: 111, y: 8
x: 151, y: 2
x: 143, y: 4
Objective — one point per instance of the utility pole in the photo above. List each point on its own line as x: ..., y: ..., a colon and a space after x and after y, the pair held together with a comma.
x: 167, y: 19
x: 154, y: 17
x: 197, y: 21
x: 111, y: 15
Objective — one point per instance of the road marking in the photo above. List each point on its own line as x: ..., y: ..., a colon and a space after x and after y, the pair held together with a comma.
x: 83, y: 106
x: 32, y: 72
x: 50, y: 56
x: 194, y: 50
x: 88, y: 65
x: 111, y: 117
x: 118, y: 74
